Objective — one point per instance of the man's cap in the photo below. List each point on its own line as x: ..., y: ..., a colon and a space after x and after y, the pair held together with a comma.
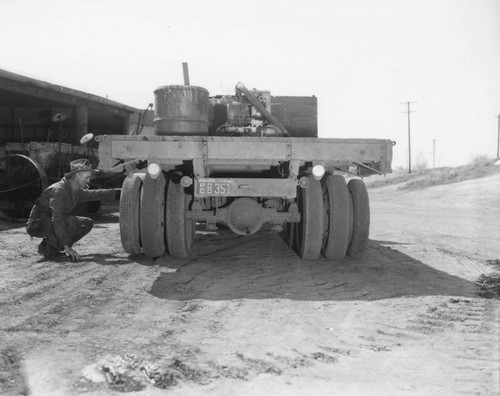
x: 80, y: 165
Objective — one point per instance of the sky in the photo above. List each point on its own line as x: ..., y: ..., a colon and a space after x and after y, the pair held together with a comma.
x: 362, y: 59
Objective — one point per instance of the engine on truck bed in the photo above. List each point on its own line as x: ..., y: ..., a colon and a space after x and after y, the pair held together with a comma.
x: 236, y: 115
x: 188, y: 110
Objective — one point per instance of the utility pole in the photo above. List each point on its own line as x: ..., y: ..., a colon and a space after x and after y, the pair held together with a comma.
x: 433, y: 153
x: 498, y: 139
x: 408, y: 111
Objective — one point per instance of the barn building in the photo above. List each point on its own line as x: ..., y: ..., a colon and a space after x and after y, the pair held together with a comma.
x: 35, y: 110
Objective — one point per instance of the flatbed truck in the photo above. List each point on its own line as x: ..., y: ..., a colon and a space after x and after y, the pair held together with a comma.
x: 251, y: 170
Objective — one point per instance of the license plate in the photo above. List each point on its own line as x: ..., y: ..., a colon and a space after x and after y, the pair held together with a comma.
x: 215, y: 187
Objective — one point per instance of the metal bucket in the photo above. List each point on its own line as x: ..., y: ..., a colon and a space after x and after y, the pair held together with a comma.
x: 181, y: 110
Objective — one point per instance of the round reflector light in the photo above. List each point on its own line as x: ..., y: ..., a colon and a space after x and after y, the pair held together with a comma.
x: 154, y: 170
x: 318, y: 171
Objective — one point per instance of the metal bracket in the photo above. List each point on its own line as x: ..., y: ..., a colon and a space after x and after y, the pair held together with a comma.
x: 200, y: 165
x: 204, y: 153
x: 368, y: 167
x: 293, y: 168
x: 289, y: 151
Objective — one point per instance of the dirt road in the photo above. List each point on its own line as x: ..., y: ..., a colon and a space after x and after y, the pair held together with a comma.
x: 246, y: 316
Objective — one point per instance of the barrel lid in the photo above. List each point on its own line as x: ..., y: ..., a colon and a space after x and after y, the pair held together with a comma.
x: 180, y: 87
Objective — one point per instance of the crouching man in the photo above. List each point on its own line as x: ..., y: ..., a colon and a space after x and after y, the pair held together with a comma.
x: 51, y: 218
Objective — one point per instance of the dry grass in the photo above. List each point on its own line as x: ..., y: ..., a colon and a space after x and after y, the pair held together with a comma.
x: 489, y: 285
x: 481, y: 166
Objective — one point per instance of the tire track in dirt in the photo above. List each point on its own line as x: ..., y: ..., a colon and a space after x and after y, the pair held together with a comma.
x: 461, y: 323
x: 473, y: 266
x: 478, y: 360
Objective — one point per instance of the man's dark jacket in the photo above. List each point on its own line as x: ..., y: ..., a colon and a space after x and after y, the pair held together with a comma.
x: 55, y: 204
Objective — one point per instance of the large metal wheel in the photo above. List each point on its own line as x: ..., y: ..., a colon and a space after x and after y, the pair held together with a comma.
x: 308, y: 234
x: 360, y: 217
x: 130, y: 213
x: 335, y: 217
x: 180, y: 230
x: 22, y: 180
x: 152, y: 216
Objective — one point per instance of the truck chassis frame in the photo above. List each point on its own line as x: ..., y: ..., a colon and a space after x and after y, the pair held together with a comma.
x: 244, y: 182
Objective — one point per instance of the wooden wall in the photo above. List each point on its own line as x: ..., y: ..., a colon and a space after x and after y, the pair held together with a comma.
x: 35, y: 124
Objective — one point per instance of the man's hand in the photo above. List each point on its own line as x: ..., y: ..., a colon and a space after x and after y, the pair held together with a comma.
x: 72, y: 253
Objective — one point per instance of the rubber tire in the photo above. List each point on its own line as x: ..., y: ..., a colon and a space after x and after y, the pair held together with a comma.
x: 309, y: 232
x: 288, y: 234
x: 360, y: 217
x: 152, y: 218
x: 336, y: 236
x: 130, y: 213
x: 180, y: 230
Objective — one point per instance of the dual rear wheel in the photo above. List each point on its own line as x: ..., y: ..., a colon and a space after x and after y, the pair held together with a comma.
x: 153, y: 216
x: 335, y: 219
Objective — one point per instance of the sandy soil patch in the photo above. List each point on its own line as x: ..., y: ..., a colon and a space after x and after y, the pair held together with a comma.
x: 244, y: 315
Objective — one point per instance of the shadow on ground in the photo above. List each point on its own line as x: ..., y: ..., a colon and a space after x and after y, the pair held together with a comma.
x: 6, y: 224
x: 112, y: 259
x: 225, y: 266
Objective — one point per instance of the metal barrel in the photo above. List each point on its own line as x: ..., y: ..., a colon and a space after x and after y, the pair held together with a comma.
x: 181, y: 110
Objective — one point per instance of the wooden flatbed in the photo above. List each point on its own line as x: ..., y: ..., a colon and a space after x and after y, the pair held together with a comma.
x: 295, y: 184
x: 212, y: 153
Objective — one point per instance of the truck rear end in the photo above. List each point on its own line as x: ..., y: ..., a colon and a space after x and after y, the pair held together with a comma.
x: 243, y: 162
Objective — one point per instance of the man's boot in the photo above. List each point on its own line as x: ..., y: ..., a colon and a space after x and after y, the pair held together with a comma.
x: 47, y: 251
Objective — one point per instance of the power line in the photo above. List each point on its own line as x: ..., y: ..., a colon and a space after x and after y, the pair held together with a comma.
x: 408, y: 111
